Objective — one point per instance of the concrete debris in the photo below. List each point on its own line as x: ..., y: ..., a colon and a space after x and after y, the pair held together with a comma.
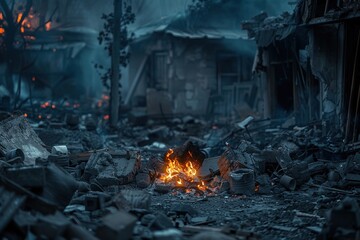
x: 251, y: 180
x: 118, y: 225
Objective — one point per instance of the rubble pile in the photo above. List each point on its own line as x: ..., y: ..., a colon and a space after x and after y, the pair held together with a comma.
x: 255, y: 179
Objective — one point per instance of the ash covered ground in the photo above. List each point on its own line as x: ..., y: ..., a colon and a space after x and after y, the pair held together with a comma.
x: 261, y: 179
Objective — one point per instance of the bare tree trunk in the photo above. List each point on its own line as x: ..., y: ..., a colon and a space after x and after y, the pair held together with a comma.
x: 115, y: 62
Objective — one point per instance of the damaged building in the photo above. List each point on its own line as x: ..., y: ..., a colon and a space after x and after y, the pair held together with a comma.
x: 173, y: 119
x: 313, y: 55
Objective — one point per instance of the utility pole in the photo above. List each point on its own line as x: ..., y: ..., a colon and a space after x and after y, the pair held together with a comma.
x: 115, y: 64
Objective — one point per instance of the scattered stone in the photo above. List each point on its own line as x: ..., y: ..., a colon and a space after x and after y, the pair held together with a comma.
x: 118, y: 225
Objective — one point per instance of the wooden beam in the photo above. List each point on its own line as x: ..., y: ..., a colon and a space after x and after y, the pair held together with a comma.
x: 115, y: 64
x: 136, y: 81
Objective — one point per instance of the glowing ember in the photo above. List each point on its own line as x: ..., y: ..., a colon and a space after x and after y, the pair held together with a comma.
x: 25, y: 115
x: 48, y: 26
x: 180, y: 174
x: 19, y: 17
x: 106, y: 117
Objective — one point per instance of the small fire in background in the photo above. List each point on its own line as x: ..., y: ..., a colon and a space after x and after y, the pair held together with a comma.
x: 45, y: 105
x: 2, y: 30
x: 182, y: 174
x: 103, y: 102
x: 48, y: 26
x: 30, y: 22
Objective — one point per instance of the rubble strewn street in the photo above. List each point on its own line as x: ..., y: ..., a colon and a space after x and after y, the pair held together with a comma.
x: 185, y: 120
x: 258, y: 184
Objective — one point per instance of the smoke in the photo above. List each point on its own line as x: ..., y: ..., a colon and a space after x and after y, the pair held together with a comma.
x: 86, y: 16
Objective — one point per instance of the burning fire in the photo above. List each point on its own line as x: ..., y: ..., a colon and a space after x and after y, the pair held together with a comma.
x: 182, y: 175
x: 30, y: 22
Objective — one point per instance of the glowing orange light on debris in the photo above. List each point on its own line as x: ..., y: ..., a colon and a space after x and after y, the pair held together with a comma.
x: 178, y: 173
x: 53, y: 106
x: 2, y: 31
x: 48, y: 26
x: 106, y: 117
x: 202, y: 186
x: 25, y: 115
x: 19, y: 16
x: 40, y: 117
x: 1, y: 16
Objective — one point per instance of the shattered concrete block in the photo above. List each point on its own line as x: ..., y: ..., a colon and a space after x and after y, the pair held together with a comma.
x: 109, y: 171
x: 137, y: 198
x: 161, y: 222
x: 29, y: 177
x: 118, y: 225
x: 123, y: 171
x: 96, y: 163
x: 51, y: 226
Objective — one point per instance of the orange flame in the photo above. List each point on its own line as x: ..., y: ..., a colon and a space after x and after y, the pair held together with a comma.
x: 19, y: 16
x: 178, y: 173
